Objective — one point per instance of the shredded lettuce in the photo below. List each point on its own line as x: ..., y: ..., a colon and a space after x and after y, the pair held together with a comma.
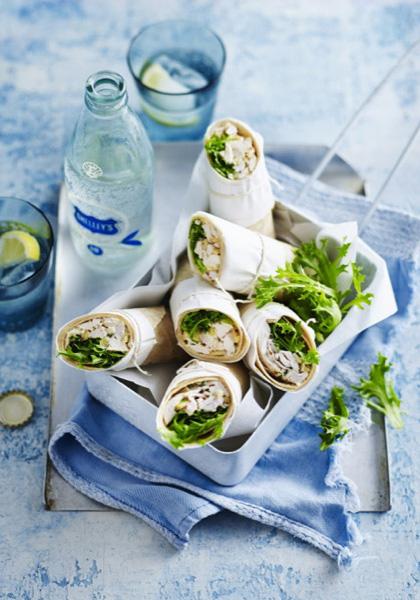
x: 381, y: 388
x: 201, y: 321
x: 334, y: 420
x: 214, y: 146
x: 91, y: 353
x: 287, y: 335
x: 196, y: 233
x: 199, y: 428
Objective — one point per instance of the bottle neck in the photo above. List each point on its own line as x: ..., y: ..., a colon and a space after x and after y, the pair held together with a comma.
x: 105, y: 93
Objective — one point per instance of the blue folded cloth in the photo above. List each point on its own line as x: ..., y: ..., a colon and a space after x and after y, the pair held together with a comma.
x: 294, y: 486
x: 111, y: 461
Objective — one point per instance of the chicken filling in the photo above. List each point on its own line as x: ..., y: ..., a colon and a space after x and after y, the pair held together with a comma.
x: 286, y: 354
x: 99, y: 342
x: 196, y: 413
x: 210, y: 333
x: 206, y: 249
x: 231, y: 154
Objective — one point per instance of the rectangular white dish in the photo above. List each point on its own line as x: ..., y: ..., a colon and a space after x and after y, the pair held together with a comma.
x: 77, y: 291
x: 229, y: 460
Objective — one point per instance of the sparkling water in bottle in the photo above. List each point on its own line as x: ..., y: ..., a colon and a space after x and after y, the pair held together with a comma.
x: 108, y: 172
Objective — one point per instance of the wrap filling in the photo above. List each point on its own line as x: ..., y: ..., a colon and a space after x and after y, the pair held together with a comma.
x: 286, y: 354
x: 210, y: 333
x: 206, y: 249
x: 99, y: 342
x: 231, y: 154
x: 196, y: 413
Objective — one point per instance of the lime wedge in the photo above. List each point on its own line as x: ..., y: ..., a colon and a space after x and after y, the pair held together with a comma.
x: 157, y: 116
x: 157, y: 78
x: 17, y: 247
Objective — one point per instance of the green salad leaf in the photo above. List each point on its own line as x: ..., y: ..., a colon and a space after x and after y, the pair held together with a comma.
x: 195, y: 234
x: 198, y: 428
x: 334, y: 420
x: 201, y: 321
x: 214, y: 146
x: 90, y: 353
x: 309, y: 285
x: 379, y: 393
x: 309, y: 298
x: 287, y: 335
x: 360, y: 297
x: 316, y: 262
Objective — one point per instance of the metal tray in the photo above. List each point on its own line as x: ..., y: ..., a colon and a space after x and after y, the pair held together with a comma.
x: 72, y: 281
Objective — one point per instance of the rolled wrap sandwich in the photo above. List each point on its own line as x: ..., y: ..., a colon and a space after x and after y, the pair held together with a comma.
x: 238, y: 183
x: 207, y: 322
x: 118, y: 339
x: 200, y: 403
x: 230, y: 256
x: 283, y: 350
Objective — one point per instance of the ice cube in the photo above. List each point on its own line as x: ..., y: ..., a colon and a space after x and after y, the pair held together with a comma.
x: 18, y: 273
x: 182, y: 73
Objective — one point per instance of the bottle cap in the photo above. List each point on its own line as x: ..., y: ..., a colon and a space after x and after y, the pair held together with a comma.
x: 16, y: 408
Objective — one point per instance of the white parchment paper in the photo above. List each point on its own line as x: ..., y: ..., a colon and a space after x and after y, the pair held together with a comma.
x: 246, y: 254
x: 243, y: 201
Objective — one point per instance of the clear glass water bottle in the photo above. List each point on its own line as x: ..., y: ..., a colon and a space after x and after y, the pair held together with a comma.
x: 108, y: 173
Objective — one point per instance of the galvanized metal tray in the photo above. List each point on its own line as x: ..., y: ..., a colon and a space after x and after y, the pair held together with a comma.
x: 77, y: 290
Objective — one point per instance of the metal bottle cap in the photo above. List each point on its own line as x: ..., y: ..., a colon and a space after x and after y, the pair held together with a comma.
x: 16, y: 408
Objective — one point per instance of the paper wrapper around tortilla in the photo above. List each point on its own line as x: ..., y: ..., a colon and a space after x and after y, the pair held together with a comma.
x: 254, y: 320
x: 249, y: 201
x: 234, y: 376
x: 265, y: 226
x: 151, y: 336
x: 165, y: 349
x: 195, y: 294
x: 245, y: 255
x: 183, y: 270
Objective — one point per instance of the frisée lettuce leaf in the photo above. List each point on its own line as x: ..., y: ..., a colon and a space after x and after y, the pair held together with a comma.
x: 379, y: 393
x: 201, y: 321
x: 195, y: 234
x: 214, y: 146
x: 334, y: 420
x: 91, y: 353
x: 198, y: 428
x: 316, y: 263
x: 310, y: 299
x: 287, y: 335
x: 309, y: 285
x: 314, y: 260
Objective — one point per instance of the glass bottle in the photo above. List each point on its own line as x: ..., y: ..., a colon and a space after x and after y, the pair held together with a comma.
x: 108, y: 174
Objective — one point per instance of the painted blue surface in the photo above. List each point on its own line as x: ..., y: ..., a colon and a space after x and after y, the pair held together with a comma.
x: 295, y: 70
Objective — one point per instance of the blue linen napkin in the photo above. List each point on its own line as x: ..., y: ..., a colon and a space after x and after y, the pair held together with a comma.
x: 294, y: 486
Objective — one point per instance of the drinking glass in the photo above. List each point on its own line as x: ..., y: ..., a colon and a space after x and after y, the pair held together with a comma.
x: 24, y: 287
x: 187, y: 58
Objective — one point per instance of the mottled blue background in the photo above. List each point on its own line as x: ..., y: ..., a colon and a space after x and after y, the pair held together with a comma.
x: 296, y: 70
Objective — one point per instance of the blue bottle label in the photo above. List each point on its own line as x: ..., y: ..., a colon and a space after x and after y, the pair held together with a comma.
x: 130, y: 239
x: 96, y: 222
x: 95, y: 225
x: 95, y: 250
x: 102, y: 228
